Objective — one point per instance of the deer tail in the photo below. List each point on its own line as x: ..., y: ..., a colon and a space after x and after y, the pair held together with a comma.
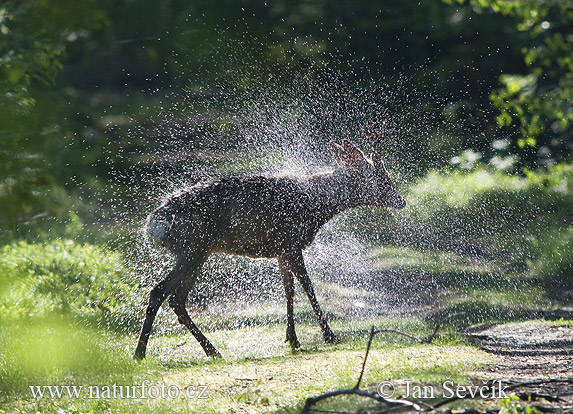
x: 158, y: 227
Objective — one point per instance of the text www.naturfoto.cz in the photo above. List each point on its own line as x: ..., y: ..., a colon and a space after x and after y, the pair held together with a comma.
x: 115, y: 391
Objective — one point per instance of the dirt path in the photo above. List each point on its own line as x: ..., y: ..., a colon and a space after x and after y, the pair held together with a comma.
x: 529, y: 351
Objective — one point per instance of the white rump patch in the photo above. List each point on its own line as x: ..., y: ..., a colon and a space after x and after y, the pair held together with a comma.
x: 157, y: 228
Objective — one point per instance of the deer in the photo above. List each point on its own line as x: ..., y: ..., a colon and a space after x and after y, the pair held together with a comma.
x: 260, y: 216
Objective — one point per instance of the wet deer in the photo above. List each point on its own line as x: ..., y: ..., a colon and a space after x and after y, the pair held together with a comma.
x: 260, y: 216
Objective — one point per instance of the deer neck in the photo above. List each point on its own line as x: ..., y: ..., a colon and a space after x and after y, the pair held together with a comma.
x: 334, y: 192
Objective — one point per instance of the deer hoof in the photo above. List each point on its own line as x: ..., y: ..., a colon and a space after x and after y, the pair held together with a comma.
x: 139, y: 355
x: 138, y: 358
x: 331, y: 338
x: 211, y: 352
x: 294, y: 343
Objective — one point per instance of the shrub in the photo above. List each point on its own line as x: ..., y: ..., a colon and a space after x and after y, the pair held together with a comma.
x: 555, y: 259
x: 482, y: 213
x: 64, y: 277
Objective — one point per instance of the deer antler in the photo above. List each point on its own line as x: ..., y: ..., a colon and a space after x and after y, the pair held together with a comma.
x: 375, y: 133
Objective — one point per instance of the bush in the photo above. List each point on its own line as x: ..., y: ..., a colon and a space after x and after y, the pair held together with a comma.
x: 483, y: 213
x: 64, y: 277
x: 555, y: 259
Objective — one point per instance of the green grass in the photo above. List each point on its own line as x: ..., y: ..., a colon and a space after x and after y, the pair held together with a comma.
x: 259, y: 373
x: 69, y: 313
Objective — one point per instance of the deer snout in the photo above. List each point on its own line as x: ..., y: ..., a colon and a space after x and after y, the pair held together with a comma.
x: 396, y: 201
x: 400, y: 203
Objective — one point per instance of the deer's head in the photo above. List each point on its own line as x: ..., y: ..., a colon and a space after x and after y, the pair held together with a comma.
x: 370, y: 178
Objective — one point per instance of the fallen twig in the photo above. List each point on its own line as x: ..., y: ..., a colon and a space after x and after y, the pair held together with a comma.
x: 397, y: 404
x: 540, y: 382
x: 372, y: 333
x: 393, y: 403
x: 356, y: 391
x: 512, y: 387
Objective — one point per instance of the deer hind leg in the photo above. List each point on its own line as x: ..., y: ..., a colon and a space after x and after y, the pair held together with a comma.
x: 185, y: 265
x: 177, y: 303
x: 295, y: 261
x: 288, y: 283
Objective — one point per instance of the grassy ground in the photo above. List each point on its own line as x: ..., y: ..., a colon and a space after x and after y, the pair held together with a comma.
x: 499, y: 278
x: 259, y: 372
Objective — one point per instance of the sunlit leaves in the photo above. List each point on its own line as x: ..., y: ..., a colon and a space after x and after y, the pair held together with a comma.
x: 24, y: 59
x: 63, y: 277
x: 539, y: 103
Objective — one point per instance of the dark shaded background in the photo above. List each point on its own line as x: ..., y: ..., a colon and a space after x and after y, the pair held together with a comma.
x: 90, y: 89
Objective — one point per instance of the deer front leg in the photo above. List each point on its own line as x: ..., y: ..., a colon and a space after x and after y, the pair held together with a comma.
x: 295, y: 262
x: 177, y: 303
x: 288, y: 283
x: 186, y: 263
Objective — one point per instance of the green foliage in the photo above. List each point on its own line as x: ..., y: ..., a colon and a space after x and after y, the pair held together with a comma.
x: 555, y: 257
x: 34, y: 207
x: 512, y: 404
x: 63, y: 277
x: 37, y: 160
x: 538, y: 101
x: 55, y: 350
x: 483, y: 214
x: 555, y: 245
x: 556, y: 178
x: 33, y: 37
x: 23, y: 59
x: 492, y: 214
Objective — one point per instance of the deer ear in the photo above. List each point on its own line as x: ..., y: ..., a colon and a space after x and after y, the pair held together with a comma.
x: 352, y: 149
x: 337, y: 152
x: 347, y: 154
x: 353, y: 152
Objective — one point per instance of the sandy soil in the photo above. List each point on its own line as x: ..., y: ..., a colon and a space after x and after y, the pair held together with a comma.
x: 529, y: 351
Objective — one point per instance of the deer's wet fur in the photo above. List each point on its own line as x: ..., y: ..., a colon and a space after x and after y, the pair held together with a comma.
x: 260, y: 216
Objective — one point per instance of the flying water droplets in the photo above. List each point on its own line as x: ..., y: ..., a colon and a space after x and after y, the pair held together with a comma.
x: 259, y: 123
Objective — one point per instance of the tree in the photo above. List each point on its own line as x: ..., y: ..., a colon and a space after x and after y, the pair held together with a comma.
x: 539, y: 103
x: 34, y: 35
